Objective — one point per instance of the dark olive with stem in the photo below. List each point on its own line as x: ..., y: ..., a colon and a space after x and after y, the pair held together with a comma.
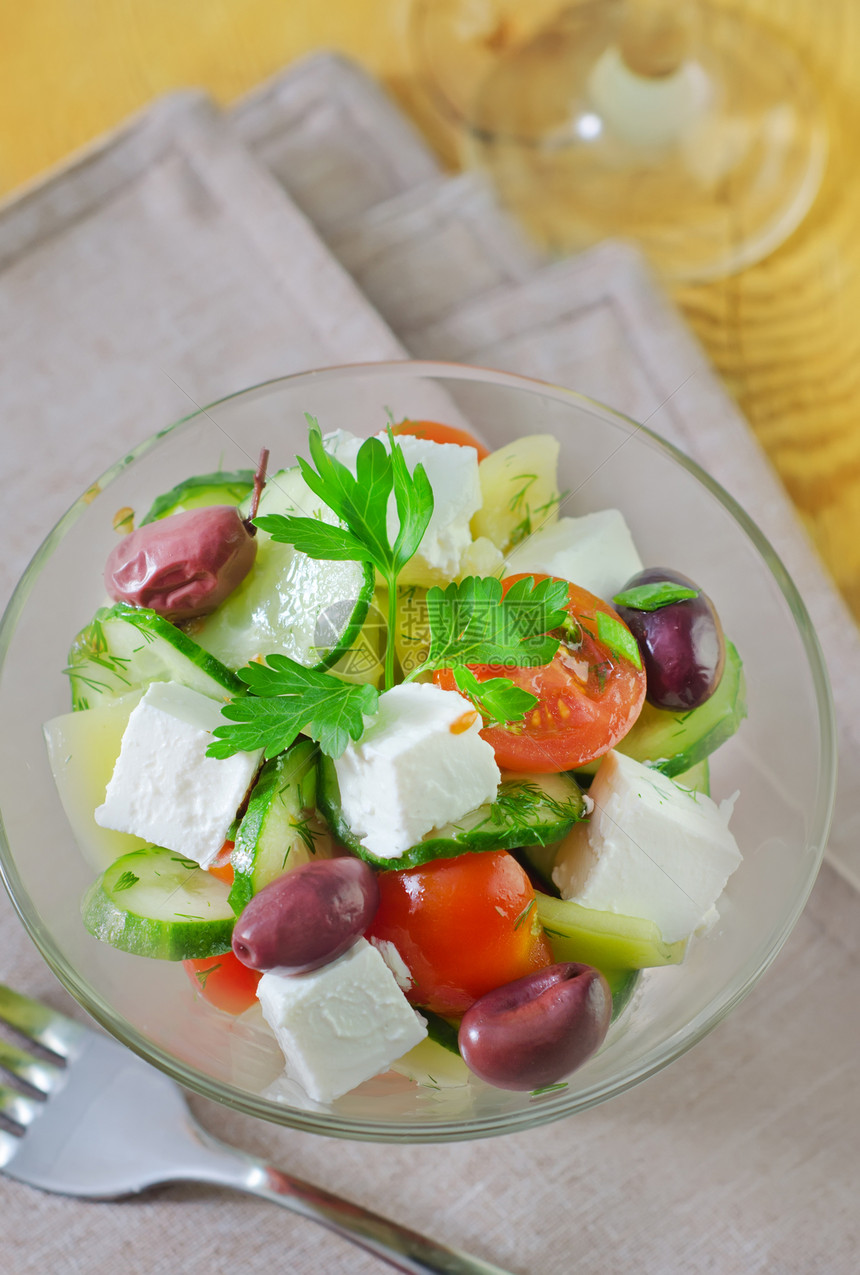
x: 681, y: 644
x: 185, y: 565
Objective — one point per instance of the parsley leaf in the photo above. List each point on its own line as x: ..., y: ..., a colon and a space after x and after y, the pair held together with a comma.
x: 287, y: 700
x: 316, y: 539
x: 498, y: 699
x: 472, y: 623
x: 616, y: 637
x: 651, y: 597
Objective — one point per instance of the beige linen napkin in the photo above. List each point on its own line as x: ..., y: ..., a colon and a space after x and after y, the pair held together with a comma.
x: 169, y: 264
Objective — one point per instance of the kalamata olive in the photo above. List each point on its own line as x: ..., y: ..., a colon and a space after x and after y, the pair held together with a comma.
x: 307, y: 917
x: 184, y: 565
x: 538, y: 1029
x: 682, y: 644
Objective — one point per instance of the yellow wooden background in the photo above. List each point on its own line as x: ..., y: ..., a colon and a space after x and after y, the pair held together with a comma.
x: 785, y: 334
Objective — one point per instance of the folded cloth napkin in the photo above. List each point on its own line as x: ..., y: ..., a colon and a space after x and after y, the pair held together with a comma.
x: 171, y: 264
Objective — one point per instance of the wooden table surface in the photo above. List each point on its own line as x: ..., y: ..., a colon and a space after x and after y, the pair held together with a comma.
x: 785, y: 334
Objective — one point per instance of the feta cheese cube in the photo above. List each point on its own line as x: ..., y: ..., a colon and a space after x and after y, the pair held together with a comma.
x: 453, y: 475
x: 650, y: 849
x: 595, y: 551
x: 395, y: 962
x: 414, y: 768
x: 164, y: 788
x: 340, y: 1024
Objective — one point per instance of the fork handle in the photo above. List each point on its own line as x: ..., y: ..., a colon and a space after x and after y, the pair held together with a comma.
x: 401, y: 1247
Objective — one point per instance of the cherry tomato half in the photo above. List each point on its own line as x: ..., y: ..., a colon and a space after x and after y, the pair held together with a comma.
x: 435, y: 432
x: 222, y: 866
x: 463, y: 926
x: 224, y: 981
x: 589, y: 696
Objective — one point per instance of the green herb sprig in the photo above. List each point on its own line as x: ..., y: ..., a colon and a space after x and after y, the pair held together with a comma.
x: 360, y: 501
x: 288, y: 700
x: 652, y: 597
x: 474, y: 623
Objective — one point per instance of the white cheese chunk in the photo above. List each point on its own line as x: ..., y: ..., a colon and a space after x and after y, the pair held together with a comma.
x: 340, y: 1024
x: 395, y: 962
x: 415, y: 768
x: 595, y: 551
x: 650, y: 849
x: 164, y: 788
x: 453, y: 474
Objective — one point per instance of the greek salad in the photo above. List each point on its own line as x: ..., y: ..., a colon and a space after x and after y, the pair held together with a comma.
x: 398, y: 746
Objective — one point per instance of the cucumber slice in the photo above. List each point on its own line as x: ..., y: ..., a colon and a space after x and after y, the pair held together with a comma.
x: 697, y: 778
x: 279, y: 830
x: 539, y: 861
x: 528, y: 810
x: 155, y: 903
x: 224, y: 487
x: 440, y: 1031
x: 124, y: 648
x: 604, y: 939
x: 432, y: 1065
x: 309, y: 609
x: 622, y: 985
x: 675, y: 742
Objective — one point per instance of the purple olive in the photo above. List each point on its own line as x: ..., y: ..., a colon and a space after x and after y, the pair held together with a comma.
x: 682, y: 644
x: 182, y: 566
x: 538, y: 1029
x: 307, y: 917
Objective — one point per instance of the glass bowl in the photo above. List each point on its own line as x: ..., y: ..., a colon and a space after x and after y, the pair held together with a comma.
x: 782, y: 760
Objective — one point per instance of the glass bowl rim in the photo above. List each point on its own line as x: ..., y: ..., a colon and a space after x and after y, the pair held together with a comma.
x: 549, y: 1107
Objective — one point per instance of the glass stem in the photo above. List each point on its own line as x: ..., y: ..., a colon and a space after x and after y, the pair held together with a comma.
x: 656, y: 35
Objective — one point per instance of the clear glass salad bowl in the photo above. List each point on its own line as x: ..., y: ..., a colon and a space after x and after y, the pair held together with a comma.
x: 782, y: 760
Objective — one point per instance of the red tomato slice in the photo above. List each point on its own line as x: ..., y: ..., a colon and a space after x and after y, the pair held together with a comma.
x: 589, y: 696
x: 435, y: 432
x: 225, y: 982
x: 463, y: 926
x: 221, y: 866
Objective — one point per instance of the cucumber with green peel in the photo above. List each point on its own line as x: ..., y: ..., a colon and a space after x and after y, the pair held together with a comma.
x: 224, y: 487
x: 124, y: 648
x: 675, y: 742
x: 697, y: 778
x: 311, y: 610
x: 528, y: 810
x: 279, y: 830
x: 154, y: 902
x: 622, y: 985
x: 539, y: 862
x: 434, y: 1065
x: 605, y: 939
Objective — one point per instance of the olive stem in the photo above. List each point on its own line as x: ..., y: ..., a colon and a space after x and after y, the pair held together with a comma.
x: 259, y: 484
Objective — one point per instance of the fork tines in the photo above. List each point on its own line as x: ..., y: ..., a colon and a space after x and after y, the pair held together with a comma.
x: 17, y: 1109
x: 39, y: 1024
x: 35, y: 1073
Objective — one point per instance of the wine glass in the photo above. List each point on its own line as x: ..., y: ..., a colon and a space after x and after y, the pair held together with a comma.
x: 692, y: 129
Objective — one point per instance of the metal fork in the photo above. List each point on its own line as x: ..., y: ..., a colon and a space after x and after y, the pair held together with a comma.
x: 96, y: 1121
